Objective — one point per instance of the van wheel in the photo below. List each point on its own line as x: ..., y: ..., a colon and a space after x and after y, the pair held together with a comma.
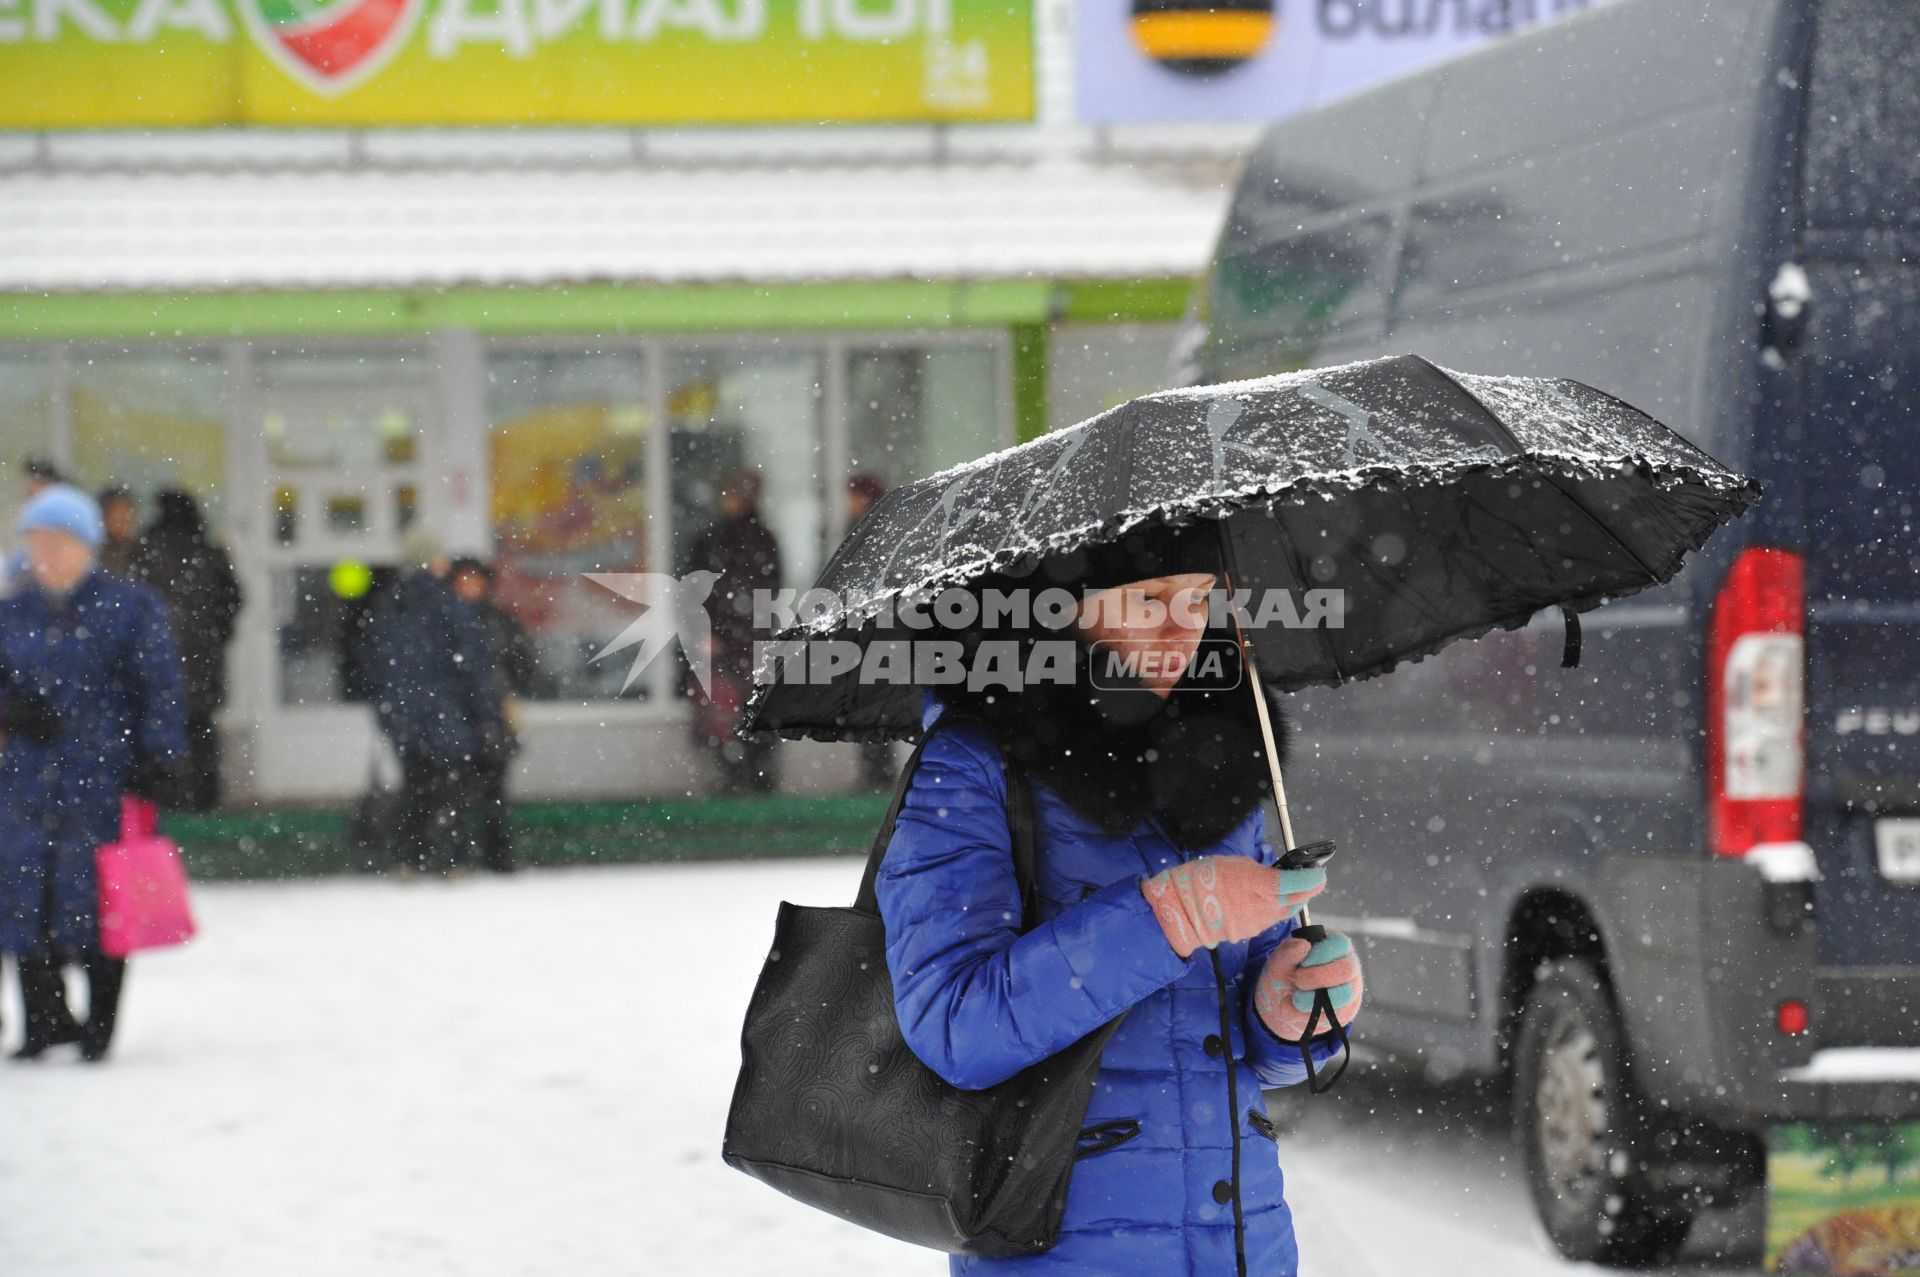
x: 1581, y: 1128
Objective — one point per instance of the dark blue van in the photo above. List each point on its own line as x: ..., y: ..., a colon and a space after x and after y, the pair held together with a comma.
x: 1662, y: 890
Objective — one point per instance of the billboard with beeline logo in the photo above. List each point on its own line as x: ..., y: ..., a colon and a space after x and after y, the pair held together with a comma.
x: 1141, y: 61
x: 146, y: 63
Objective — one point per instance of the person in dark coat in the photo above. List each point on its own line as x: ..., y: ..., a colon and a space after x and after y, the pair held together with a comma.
x: 1159, y: 897
x: 121, y: 518
x: 743, y: 552
x: 176, y: 559
x: 92, y: 706
x: 37, y: 474
x: 430, y: 676
x: 514, y: 672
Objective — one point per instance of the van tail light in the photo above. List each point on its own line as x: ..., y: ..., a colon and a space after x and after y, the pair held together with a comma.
x: 1791, y: 1018
x: 1757, y: 703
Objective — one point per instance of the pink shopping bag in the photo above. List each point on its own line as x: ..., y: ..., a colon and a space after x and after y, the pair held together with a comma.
x: 143, y: 886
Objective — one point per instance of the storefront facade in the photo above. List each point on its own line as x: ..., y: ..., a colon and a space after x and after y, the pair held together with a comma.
x: 555, y: 433
x: 545, y: 346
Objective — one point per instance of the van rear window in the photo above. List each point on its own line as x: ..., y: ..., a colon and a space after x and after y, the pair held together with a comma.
x: 1863, y: 116
x: 1278, y: 286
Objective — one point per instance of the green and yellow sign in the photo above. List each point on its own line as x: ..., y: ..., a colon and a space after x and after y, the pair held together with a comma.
x: 108, y: 63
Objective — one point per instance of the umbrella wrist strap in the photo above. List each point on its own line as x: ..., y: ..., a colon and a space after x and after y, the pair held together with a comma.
x: 1570, y: 651
x: 1323, y: 1029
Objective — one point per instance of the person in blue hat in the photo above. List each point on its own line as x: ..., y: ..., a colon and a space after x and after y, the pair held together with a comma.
x: 92, y: 707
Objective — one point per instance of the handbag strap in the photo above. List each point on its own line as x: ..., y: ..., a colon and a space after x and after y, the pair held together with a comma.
x: 1026, y: 862
x: 139, y: 818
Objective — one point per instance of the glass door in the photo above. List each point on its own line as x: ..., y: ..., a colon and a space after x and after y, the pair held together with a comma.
x: 340, y: 468
x: 345, y: 493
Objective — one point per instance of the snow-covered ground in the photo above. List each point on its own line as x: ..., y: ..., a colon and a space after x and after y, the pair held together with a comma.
x: 530, y: 1076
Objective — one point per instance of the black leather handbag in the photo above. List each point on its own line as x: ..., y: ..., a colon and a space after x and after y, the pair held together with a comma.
x: 834, y: 1109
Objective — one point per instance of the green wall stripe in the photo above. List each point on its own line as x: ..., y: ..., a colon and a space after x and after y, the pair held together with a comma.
x: 1096, y: 301
x: 588, y: 308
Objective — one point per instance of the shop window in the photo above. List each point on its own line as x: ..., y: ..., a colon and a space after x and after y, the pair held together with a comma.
x: 568, y: 462
x: 570, y: 447
x: 151, y: 422
x: 26, y: 405
x: 914, y: 410
x: 322, y: 435
x: 752, y: 411
x: 1094, y: 367
x: 756, y: 410
x: 347, y: 514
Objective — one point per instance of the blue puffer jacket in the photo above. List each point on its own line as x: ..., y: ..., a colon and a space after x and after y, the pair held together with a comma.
x: 104, y: 660
x: 978, y: 1002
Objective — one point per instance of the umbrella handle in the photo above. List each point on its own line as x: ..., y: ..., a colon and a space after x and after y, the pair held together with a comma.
x: 1252, y: 667
x: 1266, y: 729
x: 1305, y: 929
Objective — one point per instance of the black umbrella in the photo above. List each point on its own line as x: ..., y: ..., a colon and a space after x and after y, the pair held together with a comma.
x: 1432, y: 505
x: 1439, y: 505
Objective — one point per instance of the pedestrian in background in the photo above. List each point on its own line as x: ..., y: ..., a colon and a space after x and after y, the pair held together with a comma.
x: 514, y: 672
x: 430, y: 676
x: 36, y: 474
x: 92, y: 707
x: 121, y: 518
x: 740, y: 549
x: 176, y: 558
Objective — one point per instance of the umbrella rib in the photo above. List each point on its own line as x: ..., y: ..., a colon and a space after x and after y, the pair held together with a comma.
x: 1300, y: 576
x: 1572, y: 500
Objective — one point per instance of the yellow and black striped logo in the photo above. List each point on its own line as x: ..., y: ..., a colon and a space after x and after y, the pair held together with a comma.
x: 1202, y: 37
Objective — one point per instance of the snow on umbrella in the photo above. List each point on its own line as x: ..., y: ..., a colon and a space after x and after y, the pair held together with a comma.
x: 1441, y: 506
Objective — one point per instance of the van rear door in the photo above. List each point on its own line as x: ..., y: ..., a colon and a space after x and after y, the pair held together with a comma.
x: 1860, y: 371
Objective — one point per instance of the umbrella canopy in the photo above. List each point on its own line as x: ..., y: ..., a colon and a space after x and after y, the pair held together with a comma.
x: 1440, y: 505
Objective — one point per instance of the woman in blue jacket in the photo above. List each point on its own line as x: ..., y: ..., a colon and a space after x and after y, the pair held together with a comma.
x: 92, y: 706
x: 1159, y: 899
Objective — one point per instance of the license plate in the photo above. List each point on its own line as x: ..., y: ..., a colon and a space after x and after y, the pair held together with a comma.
x: 1896, y: 844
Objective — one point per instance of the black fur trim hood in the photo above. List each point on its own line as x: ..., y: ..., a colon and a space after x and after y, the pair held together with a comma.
x: 1120, y: 755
